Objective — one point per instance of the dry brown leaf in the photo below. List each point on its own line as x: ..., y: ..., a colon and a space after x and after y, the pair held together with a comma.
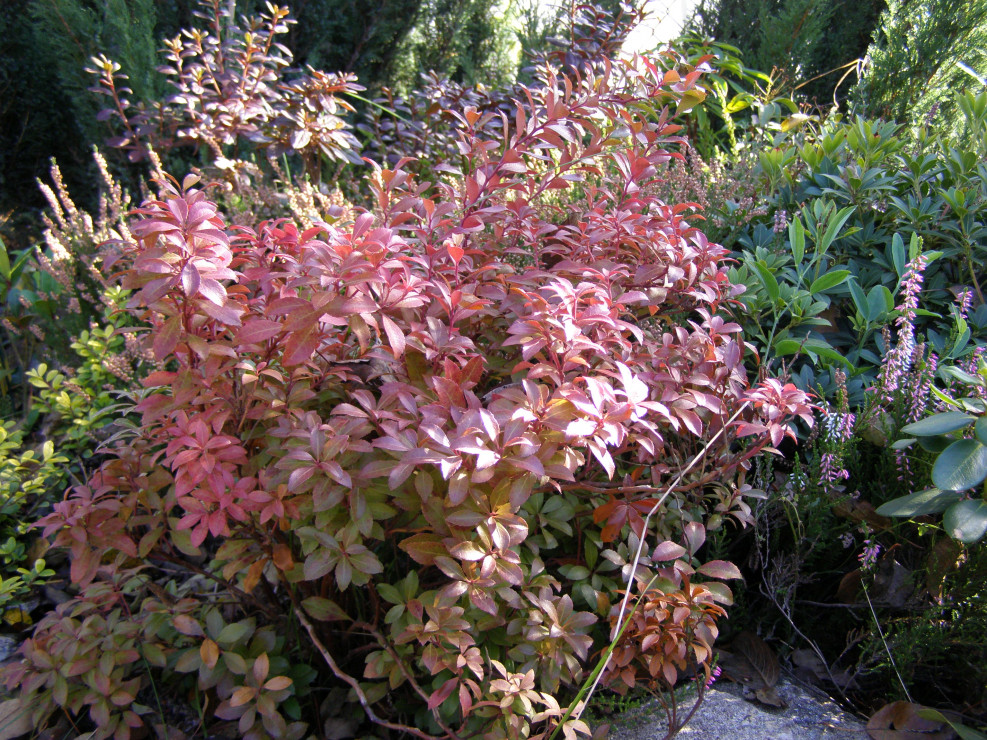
x: 811, y: 666
x: 851, y: 586
x: 761, y: 657
x: 900, y: 721
x: 892, y: 583
x: 753, y: 664
x: 808, y: 660
x: 862, y: 511
x: 770, y: 697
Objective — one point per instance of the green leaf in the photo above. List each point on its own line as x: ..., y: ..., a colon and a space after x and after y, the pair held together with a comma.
x: 575, y: 572
x: 796, y: 237
x: 325, y: 610
x: 4, y: 261
x: 898, y: 255
x: 980, y: 429
x: 944, y: 398
x: 785, y: 347
x: 835, y: 224
x: 825, y: 350
x: 859, y: 299
x: 690, y: 99
x: 19, y: 265
x: 962, y: 376
x: 385, y: 590
x: 929, y: 501
x: 876, y: 303
x: 960, y: 466
x: 813, y: 347
x: 943, y: 423
x: 967, y: 520
x: 934, y: 445
x: 738, y: 103
x: 829, y: 280
x: 965, y: 733
x: 903, y: 444
x: 769, y: 281
x: 233, y: 633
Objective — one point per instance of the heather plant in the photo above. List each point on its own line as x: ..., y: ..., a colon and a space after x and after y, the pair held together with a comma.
x: 388, y: 444
x: 53, y: 292
x: 727, y: 194
x: 863, y: 277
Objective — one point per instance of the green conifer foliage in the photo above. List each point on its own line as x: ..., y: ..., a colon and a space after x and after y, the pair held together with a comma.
x: 913, y: 66
x: 465, y: 40
x: 807, y: 41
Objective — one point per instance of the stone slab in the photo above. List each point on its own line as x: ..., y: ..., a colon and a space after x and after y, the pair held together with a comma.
x: 726, y: 715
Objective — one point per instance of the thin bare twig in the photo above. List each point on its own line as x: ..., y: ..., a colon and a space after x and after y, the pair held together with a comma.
x: 352, y: 682
x: 382, y: 641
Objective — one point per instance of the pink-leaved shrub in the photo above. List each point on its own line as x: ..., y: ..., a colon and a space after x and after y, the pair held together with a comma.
x: 400, y: 463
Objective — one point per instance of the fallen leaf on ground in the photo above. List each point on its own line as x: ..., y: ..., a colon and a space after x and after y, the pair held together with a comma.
x: 753, y: 663
x: 900, y: 721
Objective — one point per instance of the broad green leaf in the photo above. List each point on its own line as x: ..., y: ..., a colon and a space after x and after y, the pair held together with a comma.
x: 737, y: 104
x: 898, y: 255
x: 835, y: 224
x: 829, y: 280
x: 973, y: 405
x: 812, y: 347
x: 233, y: 633
x: 943, y: 423
x: 19, y: 265
x: 965, y: 733
x: 796, y: 237
x: 859, y: 299
x: 769, y: 281
x: 962, y: 376
x: 324, y: 610
x: 690, y: 99
x: 575, y: 572
x: 967, y: 520
x: 386, y: 591
x: 785, y: 347
x: 930, y: 501
x: 935, y: 445
x: 4, y: 261
x: 980, y: 429
x: 876, y: 303
x: 944, y: 398
x: 825, y: 350
x: 960, y: 466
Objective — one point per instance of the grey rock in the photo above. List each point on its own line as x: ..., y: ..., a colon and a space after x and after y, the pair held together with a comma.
x: 726, y: 715
x: 8, y: 646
